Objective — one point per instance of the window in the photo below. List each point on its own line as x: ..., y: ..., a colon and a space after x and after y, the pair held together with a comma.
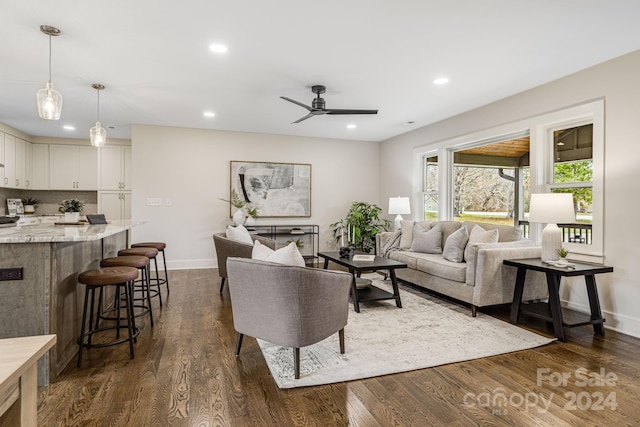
x: 430, y: 188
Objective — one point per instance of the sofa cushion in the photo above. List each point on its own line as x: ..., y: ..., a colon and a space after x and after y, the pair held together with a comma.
x: 407, y: 232
x: 454, y: 246
x: 288, y: 255
x: 427, y: 241
x: 239, y: 234
x: 440, y: 267
x: 506, y: 233
x: 480, y: 235
x: 448, y: 228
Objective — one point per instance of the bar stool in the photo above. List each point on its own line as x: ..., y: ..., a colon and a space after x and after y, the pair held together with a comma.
x: 150, y: 253
x: 160, y: 246
x: 141, y: 263
x: 121, y: 278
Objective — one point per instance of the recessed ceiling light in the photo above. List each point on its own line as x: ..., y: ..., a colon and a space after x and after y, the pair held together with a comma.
x: 209, y: 114
x: 69, y: 127
x: 218, y: 48
x: 351, y: 126
x: 441, y: 80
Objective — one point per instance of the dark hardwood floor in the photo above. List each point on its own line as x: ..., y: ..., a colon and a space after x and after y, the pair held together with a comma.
x: 185, y: 374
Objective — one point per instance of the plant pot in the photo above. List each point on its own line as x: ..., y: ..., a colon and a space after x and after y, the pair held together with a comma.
x: 238, y: 217
x: 250, y: 221
x: 71, y: 216
x: 29, y: 209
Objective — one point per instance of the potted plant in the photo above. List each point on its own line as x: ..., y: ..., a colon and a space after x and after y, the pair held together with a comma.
x: 71, y: 209
x: 244, y: 210
x: 30, y: 205
x: 361, y: 226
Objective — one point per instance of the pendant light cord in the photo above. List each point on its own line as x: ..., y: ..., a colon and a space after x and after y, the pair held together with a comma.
x: 49, y: 58
x: 98, y: 105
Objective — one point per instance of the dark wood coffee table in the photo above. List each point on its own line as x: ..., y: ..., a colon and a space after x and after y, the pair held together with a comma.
x: 356, y: 268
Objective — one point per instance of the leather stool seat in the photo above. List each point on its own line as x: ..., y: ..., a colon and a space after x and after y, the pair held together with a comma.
x: 158, y: 245
x: 122, y: 278
x: 141, y: 262
x: 145, y: 251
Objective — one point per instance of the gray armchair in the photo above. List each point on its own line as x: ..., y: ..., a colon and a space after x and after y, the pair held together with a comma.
x: 286, y: 305
x: 226, y: 248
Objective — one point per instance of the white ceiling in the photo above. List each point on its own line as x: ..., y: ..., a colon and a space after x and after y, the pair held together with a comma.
x: 154, y: 60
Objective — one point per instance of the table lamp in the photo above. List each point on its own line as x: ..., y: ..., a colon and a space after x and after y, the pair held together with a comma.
x: 551, y: 208
x: 399, y: 206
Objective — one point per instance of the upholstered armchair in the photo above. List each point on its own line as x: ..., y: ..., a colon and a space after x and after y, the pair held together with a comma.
x: 289, y: 306
x: 226, y: 248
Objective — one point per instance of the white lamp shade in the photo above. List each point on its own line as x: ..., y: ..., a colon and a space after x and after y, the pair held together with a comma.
x: 399, y: 206
x: 98, y: 135
x: 552, y: 208
x: 49, y: 102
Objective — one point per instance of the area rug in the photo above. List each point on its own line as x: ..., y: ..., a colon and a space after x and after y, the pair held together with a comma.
x: 383, y: 339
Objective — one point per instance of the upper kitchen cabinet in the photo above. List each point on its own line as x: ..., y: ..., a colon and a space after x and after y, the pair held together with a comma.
x: 73, y: 167
x: 39, y: 175
x: 114, y: 167
x: 14, y: 162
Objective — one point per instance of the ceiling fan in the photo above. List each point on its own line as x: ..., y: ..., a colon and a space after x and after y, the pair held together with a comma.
x: 318, y: 106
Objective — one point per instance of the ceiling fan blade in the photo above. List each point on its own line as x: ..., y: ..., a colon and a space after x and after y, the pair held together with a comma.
x: 303, y: 118
x: 338, y: 111
x: 297, y: 103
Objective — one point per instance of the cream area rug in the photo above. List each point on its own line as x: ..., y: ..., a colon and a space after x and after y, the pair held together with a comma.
x: 383, y: 339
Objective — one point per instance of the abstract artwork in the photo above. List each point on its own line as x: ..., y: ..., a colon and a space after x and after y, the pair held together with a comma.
x: 275, y: 189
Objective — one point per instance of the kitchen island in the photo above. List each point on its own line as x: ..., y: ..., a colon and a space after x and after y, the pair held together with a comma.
x: 39, y: 292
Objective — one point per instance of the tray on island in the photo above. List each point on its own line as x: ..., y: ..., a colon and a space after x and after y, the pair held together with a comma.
x: 72, y: 223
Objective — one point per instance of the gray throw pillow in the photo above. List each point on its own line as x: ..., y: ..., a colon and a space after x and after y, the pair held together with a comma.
x: 454, y: 246
x: 480, y: 235
x: 427, y: 241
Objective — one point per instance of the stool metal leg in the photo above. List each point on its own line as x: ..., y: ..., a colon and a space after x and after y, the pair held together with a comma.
x: 82, y: 327
x: 130, y: 317
x: 155, y: 262
x: 166, y: 276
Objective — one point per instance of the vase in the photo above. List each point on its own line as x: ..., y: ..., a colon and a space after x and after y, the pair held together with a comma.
x: 71, y: 216
x: 249, y: 220
x: 238, y: 217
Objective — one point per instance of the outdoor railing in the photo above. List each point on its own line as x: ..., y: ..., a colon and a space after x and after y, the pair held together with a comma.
x: 571, y: 233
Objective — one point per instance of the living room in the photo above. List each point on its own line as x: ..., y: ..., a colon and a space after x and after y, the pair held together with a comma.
x: 190, y: 167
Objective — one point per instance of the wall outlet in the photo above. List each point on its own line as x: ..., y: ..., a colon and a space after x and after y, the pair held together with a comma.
x: 11, y: 273
x: 154, y: 201
x: 168, y: 202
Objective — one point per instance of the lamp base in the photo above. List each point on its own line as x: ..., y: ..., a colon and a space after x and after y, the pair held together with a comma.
x: 551, y: 242
x: 396, y: 222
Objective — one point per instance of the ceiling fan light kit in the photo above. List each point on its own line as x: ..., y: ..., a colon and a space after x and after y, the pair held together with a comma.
x: 49, y: 100
x: 98, y: 134
x: 318, y: 106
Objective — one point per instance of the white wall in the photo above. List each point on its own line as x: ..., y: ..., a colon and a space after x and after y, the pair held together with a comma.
x: 617, y: 83
x: 191, y: 167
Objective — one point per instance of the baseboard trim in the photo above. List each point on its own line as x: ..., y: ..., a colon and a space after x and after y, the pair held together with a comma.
x: 616, y: 322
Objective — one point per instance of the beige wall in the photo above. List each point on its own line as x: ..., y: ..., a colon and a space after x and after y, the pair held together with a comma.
x: 617, y: 83
x: 191, y: 167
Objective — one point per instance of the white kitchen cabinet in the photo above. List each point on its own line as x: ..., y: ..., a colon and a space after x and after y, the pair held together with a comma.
x: 28, y: 165
x: 114, y: 168
x: 14, y: 162
x: 73, y: 167
x: 39, y: 176
x: 115, y: 205
x: 9, y: 161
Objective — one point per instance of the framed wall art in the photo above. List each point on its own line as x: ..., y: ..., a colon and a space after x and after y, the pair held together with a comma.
x: 275, y: 189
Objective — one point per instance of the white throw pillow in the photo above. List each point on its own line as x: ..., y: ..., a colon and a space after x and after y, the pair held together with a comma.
x: 454, y: 246
x: 427, y: 241
x: 480, y: 235
x: 406, y: 228
x: 289, y: 255
x: 239, y: 233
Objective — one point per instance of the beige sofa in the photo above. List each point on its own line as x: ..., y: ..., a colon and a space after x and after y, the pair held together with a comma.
x: 482, y: 279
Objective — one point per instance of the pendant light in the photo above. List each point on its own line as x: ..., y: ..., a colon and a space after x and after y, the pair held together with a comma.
x: 49, y: 99
x: 98, y: 134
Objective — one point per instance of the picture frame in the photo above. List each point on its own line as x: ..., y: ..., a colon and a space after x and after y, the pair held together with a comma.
x: 277, y: 190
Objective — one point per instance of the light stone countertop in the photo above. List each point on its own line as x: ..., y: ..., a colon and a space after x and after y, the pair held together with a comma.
x: 50, y: 233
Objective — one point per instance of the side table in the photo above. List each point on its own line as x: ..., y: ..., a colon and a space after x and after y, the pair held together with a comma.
x: 552, y: 311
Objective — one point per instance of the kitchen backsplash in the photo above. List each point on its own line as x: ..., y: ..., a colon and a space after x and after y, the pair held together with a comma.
x: 50, y: 199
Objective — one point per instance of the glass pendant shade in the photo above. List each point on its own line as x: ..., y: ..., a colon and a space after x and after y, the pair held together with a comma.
x: 49, y: 102
x: 98, y: 135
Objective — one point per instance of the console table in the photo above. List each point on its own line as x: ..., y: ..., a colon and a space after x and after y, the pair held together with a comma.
x: 306, y: 237
x: 552, y: 311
